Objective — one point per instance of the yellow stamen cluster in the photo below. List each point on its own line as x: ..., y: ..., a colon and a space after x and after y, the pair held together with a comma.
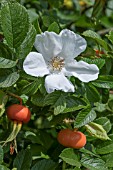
x: 57, y: 63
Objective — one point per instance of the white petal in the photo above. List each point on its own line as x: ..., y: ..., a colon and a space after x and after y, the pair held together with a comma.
x: 83, y: 71
x: 48, y: 44
x: 58, y: 82
x: 73, y: 44
x: 35, y: 65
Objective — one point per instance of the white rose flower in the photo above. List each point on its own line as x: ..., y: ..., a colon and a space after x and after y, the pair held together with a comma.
x: 56, y: 60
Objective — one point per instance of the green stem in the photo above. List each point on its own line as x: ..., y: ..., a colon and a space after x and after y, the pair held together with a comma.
x: 64, y: 165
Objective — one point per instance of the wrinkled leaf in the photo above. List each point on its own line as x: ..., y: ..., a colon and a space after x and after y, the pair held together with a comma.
x: 104, y: 82
x: 23, y: 160
x: 9, y: 80
x: 93, y: 163
x: 99, y: 62
x: 15, y: 23
x: 27, y: 44
x: 69, y: 156
x: 97, y: 131
x: 44, y: 165
x: 84, y: 117
x: 96, y: 37
x: 6, y: 63
x: 105, y: 122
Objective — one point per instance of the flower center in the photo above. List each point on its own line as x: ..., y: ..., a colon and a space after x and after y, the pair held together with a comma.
x: 57, y: 63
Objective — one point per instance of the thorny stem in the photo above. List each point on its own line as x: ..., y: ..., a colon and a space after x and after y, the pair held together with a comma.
x: 14, y: 95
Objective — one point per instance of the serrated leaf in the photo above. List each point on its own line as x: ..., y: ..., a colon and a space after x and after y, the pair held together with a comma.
x: 93, y: 163
x: 6, y: 63
x: 70, y: 157
x: 9, y: 80
x: 51, y: 98
x: 23, y: 160
x: 108, y: 159
x: 31, y: 88
x: 44, y: 165
x: 105, y: 147
x: 3, y: 100
x: 54, y: 27
x: 96, y: 37
x: 91, y: 93
x: 59, y: 105
x: 104, y: 82
x: 15, y: 23
x: 74, y: 103
x: 105, y: 122
x: 84, y: 117
x: 27, y: 44
x: 97, y: 131
x: 1, y: 154
x: 98, y: 61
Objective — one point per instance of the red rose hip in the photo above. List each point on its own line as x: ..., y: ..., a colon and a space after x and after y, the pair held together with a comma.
x: 18, y: 113
x: 72, y: 139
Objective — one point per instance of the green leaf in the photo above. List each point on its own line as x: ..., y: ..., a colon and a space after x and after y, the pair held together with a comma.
x: 105, y: 147
x: 93, y: 163
x: 74, y: 103
x: 2, y: 167
x: 23, y: 160
x: 44, y: 165
x: 104, y: 82
x: 59, y: 105
x: 108, y: 159
x: 97, y: 131
x: 27, y: 44
x: 31, y: 88
x: 9, y: 80
x: 96, y: 37
x: 51, y: 98
x: 83, y: 150
x: 47, y: 20
x: 15, y: 23
x: 1, y: 154
x: 54, y: 27
x: 84, y: 117
x: 91, y: 93
x: 98, y: 61
x: 33, y: 137
x: 100, y: 107
x: 105, y: 122
x: 6, y: 63
x: 5, y: 52
x: 70, y: 157
x: 3, y: 101
x: 38, y: 99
